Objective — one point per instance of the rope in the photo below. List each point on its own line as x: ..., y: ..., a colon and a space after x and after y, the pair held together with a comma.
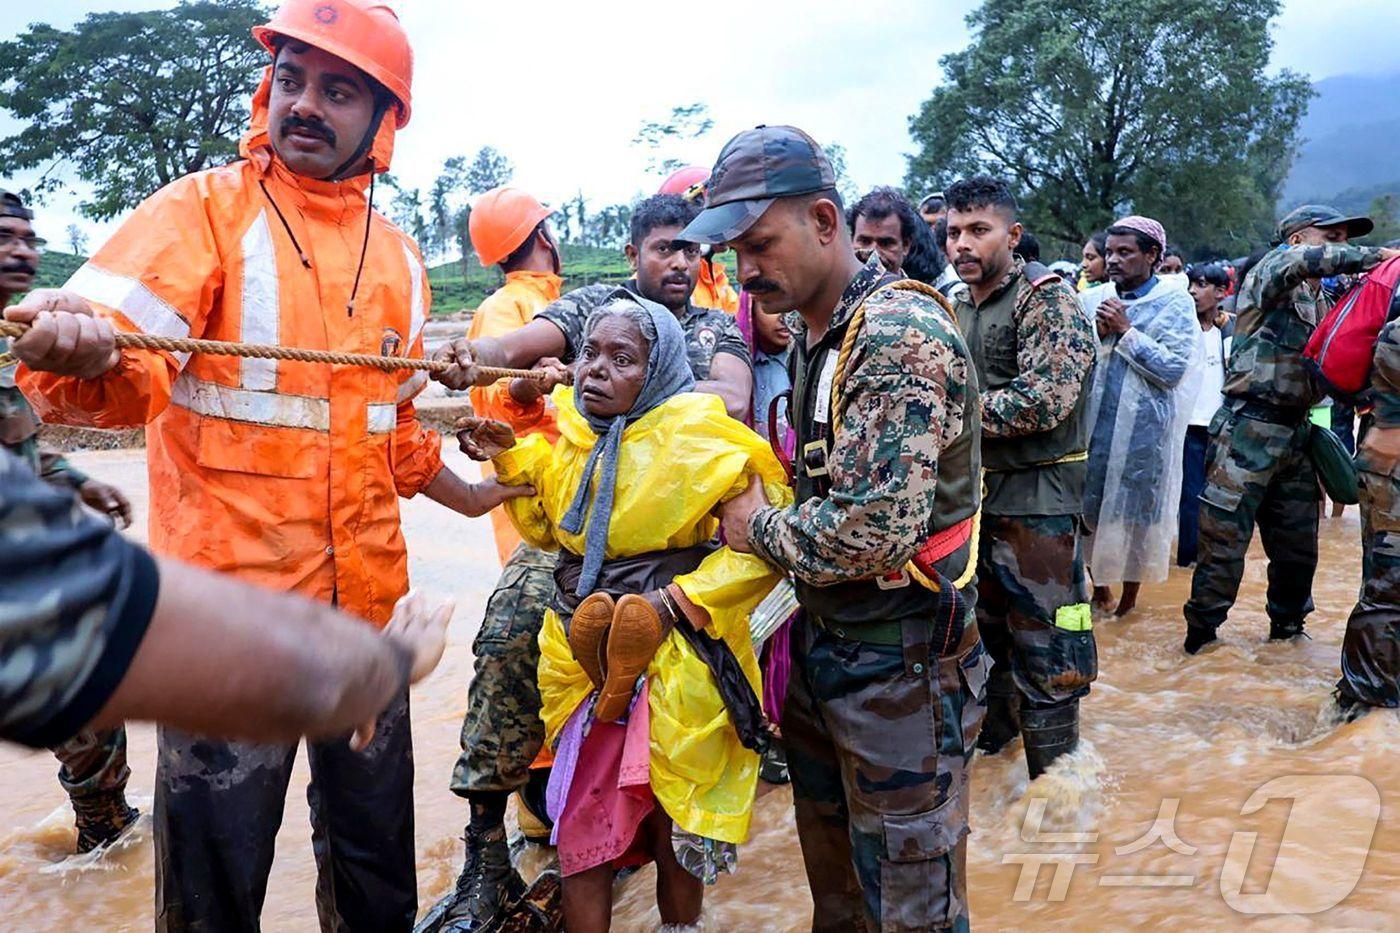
x: 266, y: 352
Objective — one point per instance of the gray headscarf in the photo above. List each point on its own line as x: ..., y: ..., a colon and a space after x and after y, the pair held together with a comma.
x: 668, y: 375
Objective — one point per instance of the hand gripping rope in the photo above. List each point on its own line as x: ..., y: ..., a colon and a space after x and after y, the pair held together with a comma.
x: 262, y: 351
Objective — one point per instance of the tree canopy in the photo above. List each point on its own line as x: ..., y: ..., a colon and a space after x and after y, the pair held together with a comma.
x: 131, y: 101
x: 1094, y: 109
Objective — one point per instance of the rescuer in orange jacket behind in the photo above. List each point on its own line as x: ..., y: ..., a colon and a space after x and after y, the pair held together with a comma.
x: 712, y: 288
x: 283, y: 473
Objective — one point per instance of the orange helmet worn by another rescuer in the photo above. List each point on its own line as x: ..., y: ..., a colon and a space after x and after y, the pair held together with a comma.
x: 367, y: 35
x: 501, y: 221
x: 688, y: 182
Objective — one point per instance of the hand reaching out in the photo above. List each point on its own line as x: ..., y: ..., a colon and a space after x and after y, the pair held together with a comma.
x: 481, y: 438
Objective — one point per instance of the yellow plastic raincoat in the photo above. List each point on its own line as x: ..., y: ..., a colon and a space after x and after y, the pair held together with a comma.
x: 677, y: 462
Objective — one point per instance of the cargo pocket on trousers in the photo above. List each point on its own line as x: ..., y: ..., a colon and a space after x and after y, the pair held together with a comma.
x: 1072, y: 663
x: 974, y: 671
x: 918, y: 889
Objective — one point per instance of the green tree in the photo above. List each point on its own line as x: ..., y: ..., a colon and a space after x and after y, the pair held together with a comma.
x: 845, y: 185
x: 490, y: 169
x: 1092, y: 109
x: 660, y: 138
x: 131, y: 101
x: 407, y: 210
x: 77, y: 239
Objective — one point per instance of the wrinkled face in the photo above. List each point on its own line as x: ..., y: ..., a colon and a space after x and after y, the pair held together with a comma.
x: 319, y: 112
x: 885, y: 236
x: 1318, y: 236
x: 613, y: 367
x: 781, y: 258
x: 1171, y: 265
x: 1128, y: 265
x: 666, y: 268
x: 1093, y: 262
x: 771, y: 332
x: 1207, y: 297
x: 19, y: 255
x: 980, y: 243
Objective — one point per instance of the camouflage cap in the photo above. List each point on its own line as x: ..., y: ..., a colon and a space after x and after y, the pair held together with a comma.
x: 753, y: 170
x: 12, y: 206
x: 1321, y: 215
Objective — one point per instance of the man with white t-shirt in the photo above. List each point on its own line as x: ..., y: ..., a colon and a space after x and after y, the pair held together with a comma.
x: 1208, y: 286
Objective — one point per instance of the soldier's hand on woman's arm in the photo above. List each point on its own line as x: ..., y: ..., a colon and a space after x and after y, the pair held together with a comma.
x: 736, y: 514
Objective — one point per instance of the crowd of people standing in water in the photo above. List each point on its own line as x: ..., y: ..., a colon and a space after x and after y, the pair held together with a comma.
x: 842, y: 525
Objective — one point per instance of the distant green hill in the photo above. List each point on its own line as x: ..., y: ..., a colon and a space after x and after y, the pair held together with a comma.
x: 55, y: 268
x: 583, y: 265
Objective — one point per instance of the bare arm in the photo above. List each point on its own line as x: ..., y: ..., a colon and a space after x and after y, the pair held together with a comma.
x: 732, y: 380
x: 519, y: 349
x: 471, y: 499
x: 227, y: 659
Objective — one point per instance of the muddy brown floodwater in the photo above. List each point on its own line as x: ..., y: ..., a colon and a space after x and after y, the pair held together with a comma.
x: 1208, y: 792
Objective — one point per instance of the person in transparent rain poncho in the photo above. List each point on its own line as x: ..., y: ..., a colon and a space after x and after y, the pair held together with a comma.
x: 1148, y: 375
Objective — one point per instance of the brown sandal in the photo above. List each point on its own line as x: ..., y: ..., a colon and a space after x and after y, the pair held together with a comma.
x: 588, y: 634
x: 637, y: 631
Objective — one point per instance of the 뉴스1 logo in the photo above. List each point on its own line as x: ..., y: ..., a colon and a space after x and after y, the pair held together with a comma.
x: 326, y: 14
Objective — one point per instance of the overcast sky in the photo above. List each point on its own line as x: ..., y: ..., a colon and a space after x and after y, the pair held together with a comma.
x: 561, y: 87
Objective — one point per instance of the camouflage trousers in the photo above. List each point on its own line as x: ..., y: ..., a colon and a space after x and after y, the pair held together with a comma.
x: 218, y: 808
x: 879, y: 739
x: 502, y: 731
x: 93, y: 763
x: 1256, y: 471
x: 1030, y: 573
x: 1371, y: 646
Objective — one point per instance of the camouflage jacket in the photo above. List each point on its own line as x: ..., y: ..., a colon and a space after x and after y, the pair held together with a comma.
x: 1385, y: 373
x: 906, y: 399
x: 1054, y: 347
x: 19, y: 434
x: 1275, y: 314
x: 78, y: 599
x: 707, y: 331
x: 1034, y: 351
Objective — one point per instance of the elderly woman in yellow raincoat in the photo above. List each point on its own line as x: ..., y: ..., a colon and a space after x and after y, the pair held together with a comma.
x: 627, y: 496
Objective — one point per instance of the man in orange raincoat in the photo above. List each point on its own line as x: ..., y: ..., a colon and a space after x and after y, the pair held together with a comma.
x: 284, y: 473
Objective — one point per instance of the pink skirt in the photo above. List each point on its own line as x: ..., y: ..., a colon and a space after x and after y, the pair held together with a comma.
x: 608, y: 794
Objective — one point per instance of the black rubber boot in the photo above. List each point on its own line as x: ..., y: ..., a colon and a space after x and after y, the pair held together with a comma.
x: 488, y: 887
x: 1197, y: 637
x: 1282, y: 631
x: 1003, y: 722
x: 102, y: 818
x: 773, y: 766
x: 1048, y: 734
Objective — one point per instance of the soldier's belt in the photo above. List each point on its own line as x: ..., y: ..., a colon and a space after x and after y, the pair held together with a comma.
x: 1077, y: 456
x: 888, y: 634
x: 1268, y: 412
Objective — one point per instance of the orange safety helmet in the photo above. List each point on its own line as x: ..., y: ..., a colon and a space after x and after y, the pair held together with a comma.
x: 501, y: 220
x: 685, y: 181
x: 367, y: 35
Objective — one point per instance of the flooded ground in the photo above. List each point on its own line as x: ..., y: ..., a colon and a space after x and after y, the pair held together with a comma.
x: 1155, y: 821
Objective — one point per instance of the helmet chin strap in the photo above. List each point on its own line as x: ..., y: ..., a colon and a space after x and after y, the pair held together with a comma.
x: 352, y: 166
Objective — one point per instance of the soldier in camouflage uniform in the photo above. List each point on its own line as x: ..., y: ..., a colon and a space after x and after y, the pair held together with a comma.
x: 1257, y: 467
x: 887, y: 688
x: 1034, y: 351
x: 1371, y: 646
x: 92, y: 764
x: 502, y: 732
